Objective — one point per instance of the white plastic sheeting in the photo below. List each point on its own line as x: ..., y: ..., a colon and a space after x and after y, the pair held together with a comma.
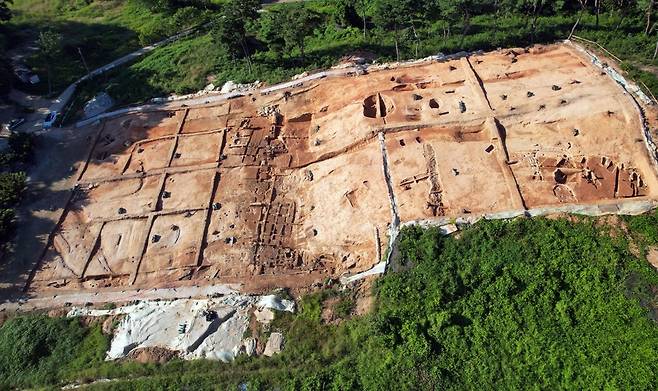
x: 98, y: 105
x: 203, y: 328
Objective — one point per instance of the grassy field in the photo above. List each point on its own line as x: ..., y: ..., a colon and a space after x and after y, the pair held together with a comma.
x: 529, y: 303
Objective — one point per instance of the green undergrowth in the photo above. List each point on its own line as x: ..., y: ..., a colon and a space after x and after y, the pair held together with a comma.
x: 105, y: 30
x: 183, y: 67
x: 101, y: 30
x: 522, y: 304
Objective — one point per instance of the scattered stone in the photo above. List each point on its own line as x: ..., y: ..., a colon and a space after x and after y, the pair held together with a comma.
x: 455, y: 172
x: 122, y: 211
x: 556, y: 88
x: 229, y: 86
x: 267, y: 111
x: 530, y: 94
x: 416, y: 97
x: 249, y: 345
x: 274, y: 344
x: 308, y: 175
x: 462, y: 106
x: 264, y: 316
x: 576, y: 132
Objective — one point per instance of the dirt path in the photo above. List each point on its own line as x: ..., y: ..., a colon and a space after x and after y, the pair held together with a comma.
x: 118, y: 296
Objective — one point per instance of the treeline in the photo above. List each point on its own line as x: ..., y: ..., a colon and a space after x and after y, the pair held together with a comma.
x: 401, y: 19
x: 244, y: 40
x: 249, y: 41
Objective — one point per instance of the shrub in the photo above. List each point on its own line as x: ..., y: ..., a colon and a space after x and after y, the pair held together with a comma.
x: 12, y: 185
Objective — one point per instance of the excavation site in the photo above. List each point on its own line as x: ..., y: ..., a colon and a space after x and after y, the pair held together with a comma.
x: 290, y: 187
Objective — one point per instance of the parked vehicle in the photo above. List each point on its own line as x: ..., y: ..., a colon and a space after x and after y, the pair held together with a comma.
x: 24, y: 74
x: 50, y: 120
x: 13, y: 124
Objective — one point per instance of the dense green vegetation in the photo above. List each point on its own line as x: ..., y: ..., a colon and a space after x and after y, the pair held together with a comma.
x: 92, y: 33
x: 541, y: 304
x: 287, y: 39
x: 39, y: 350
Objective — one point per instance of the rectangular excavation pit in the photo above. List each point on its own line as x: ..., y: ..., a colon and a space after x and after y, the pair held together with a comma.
x: 119, y: 248
x: 72, y: 245
x: 115, y: 199
x: 172, y: 246
x: 187, y: 190
x: 197, y: 149
x: 150, y: 155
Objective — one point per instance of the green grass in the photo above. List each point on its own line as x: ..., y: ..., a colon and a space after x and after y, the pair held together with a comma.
x: 105, y: 30
x: 183, y: 67
x: 38, y: 350
x: 528, y: 303
x: 102, y: 30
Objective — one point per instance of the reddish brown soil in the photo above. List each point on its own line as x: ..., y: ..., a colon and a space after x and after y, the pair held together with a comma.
x: 287, y: 189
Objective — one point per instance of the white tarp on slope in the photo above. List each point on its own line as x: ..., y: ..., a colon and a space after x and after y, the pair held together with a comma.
x: 182, y: 325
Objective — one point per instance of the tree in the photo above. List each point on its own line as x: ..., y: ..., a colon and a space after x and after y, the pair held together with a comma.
x: 5, y: 69
x: 230, y: 29
x: 647, y: 6
x: 623, y: 8
x: 347, y: 10
x: 392, y: 15
x: 270, y: 32
x: 297, y: 25
x: 173, y: 5
x: 362, y: 11
x: 5, y: 12
x: 12, y: 185
x: 583, y: 6
x: 464, y: 9
x: 50, y: 45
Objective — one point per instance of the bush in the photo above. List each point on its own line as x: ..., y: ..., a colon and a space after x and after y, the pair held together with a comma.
x: 21, y: 146
x: 12, y: 185
x: 37, y: 350
x: 6, y: 224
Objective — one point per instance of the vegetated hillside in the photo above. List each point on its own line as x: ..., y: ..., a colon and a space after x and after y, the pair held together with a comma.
x: 101, y: 30
x: 529, y: 303
x: 289, y: 38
